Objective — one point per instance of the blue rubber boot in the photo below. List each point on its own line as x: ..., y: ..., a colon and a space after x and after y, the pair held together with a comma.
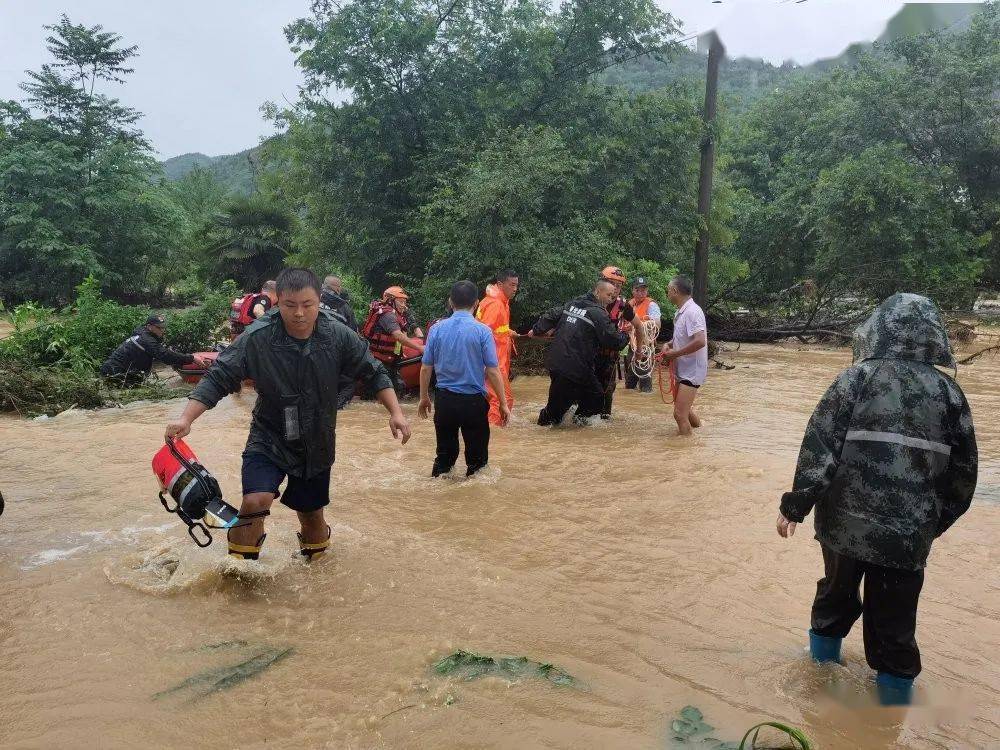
x: 894, y: 691
x: 823, y: 648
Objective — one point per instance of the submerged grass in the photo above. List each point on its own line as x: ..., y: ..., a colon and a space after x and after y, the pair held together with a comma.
x: 470, y: 666
x: 797, y: 736
x: 689, y: 729
x: 222, y: 678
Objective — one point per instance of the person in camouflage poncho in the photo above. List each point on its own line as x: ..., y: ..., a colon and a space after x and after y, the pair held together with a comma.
x: 889, y: 462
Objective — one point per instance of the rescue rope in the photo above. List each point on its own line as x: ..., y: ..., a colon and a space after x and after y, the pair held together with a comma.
x: 673, y: 386
x: 644, y: 357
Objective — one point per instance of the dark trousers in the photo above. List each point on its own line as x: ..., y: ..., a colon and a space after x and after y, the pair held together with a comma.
x: 563, y: 393
x: 465, y: 413
x: 633, y: 381
x: 607, y: 375
x: 889, y: 610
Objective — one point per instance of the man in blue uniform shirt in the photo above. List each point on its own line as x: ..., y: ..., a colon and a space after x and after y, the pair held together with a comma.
x: 461, y: 352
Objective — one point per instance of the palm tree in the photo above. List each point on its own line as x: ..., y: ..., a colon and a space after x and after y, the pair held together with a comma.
x: 249, y: 239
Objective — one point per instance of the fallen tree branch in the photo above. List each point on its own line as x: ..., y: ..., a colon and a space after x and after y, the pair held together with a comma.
x: 972, y: 357
x: 774, y: 334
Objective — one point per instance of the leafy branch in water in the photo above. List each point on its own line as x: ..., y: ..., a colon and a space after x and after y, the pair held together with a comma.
x: 470, y: 666
x: 689, y: 728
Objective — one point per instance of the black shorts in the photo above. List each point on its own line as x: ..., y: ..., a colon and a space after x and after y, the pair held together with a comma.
x: 261, y: 474
x: 688, y: 383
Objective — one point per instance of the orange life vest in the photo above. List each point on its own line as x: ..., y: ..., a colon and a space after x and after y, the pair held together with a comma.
x: 379, y: 341
x: 641, y: 308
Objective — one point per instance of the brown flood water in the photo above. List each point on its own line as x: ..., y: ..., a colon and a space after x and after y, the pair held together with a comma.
x: 645, y: 565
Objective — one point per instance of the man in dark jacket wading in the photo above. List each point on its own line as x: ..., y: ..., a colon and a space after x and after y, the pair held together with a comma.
x: 296, y: 356
x: 133, y: 360
x: 889, y: 462
x: 582, y: 328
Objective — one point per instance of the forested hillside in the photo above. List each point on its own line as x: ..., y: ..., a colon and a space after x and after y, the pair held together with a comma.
x: 233, y: 171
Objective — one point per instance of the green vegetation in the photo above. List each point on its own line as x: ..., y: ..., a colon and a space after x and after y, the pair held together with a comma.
x: 76, y: 191
x: 495, y: 148
x: 233, y: 172
x: 247, y: 239
x: 49, y: 363
x: 797, y: 736
x: 551, y: 138
x: 878, y: 178
x: 863, y: 181
x: 469, y: 666
x: 689, y: 729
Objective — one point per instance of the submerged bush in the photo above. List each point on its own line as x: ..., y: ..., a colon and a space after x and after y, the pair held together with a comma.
x: 50, y: 361
x: 198, y: 329
x: 85, y: 333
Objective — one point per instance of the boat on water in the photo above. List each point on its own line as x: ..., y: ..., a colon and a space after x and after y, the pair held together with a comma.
x: 404, y: 368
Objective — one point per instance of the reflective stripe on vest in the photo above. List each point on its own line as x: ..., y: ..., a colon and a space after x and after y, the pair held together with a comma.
x: 897, y: 439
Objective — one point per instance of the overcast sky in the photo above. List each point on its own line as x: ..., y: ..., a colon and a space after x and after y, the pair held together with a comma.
x: 206, y: 66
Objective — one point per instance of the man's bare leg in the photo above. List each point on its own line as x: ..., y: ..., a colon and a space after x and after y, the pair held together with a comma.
x: 248, y: 535
x: 682, y: 409
x: 314, y: 539
x: 314, y: 528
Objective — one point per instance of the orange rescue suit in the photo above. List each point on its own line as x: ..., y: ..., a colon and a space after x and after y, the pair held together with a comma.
x: 494, y: 311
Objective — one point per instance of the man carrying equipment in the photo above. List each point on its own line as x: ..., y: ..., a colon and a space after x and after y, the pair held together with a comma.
x: 297, y: 358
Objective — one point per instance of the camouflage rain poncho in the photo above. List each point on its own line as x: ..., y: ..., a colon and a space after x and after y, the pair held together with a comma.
x: 889, y: 457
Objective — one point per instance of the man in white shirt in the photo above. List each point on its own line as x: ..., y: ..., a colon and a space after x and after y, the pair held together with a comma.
x: 689, y: 348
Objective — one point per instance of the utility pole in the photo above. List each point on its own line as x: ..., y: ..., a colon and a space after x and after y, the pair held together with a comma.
x: 715, y: 54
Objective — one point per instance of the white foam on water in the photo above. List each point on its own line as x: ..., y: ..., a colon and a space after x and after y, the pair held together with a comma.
x: 93, y: 540
x: 176, y: 565
x: 49, y: 556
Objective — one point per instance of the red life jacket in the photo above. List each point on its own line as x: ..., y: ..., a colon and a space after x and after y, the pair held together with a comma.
x: 241, y: 311
x: 379, y: 341
x: 615, y: 310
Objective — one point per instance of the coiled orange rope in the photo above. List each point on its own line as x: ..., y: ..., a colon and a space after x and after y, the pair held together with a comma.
x: 673, y: 385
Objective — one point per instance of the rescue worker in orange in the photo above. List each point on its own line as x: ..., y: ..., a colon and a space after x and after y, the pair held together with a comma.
x: 494, y: 312
x: 387, y: 325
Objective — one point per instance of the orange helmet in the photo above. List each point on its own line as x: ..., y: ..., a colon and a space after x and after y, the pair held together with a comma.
x: 614, y: 273
x: 395, y: 292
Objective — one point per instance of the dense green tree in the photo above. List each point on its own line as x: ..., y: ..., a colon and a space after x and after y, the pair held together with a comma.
x: 879, y: 177
x: 77, y: 196
x: 455, y: 105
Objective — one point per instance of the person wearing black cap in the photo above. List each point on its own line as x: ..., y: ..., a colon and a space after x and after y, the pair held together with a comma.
x: 645, y: 309
x: 133, y: 360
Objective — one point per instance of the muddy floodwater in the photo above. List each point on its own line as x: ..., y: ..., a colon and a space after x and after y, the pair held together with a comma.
x: 643, y: 565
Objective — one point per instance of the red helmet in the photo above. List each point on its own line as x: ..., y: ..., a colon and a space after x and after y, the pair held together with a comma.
x: 614, y: 273
x: 395, y: 292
